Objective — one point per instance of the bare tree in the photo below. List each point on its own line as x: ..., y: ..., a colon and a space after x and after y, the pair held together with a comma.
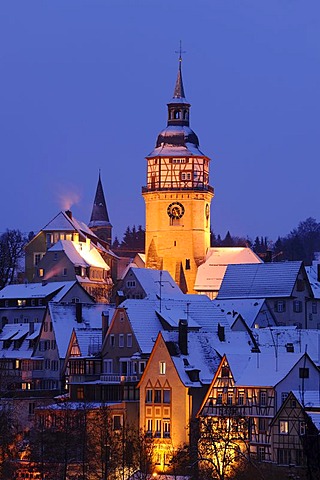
x: 12, y: 243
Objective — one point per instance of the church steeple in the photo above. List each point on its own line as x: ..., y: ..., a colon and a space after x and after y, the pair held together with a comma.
x: 178, y: 107
x: 99, y: 221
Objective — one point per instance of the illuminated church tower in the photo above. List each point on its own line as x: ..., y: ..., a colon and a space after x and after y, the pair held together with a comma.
x: 177, y: 196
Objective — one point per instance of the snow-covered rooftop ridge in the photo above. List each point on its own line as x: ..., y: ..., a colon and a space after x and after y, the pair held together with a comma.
x: 308, y: 398
x: 66, y: 222
x: 313, y: 273
x: 211, y: 272
x: 21, y: 332
x: 64, y: 320
x: 259, y: 280
x: 248, y: 308
x: 33, y: 290
x: 81, y: 253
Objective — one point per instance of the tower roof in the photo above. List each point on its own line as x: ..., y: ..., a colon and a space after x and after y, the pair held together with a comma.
x: 99, y: 215
x: 178, y: 89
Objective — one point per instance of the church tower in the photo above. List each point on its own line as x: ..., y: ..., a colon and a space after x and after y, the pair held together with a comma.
x: 177, y: 196
x: 99, y: 221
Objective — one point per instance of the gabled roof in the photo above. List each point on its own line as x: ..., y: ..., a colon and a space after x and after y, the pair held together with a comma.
x: 83, y: 254
x: 89, y: 340
x: 63, y: 222
x: 211, y: 272
x: 34, y: 290
x: 312, y: 272
x: 249, y: 310
x: 156, y: 283
x: 261, y: 369
x: 64, y: 321
x: 261, y: 280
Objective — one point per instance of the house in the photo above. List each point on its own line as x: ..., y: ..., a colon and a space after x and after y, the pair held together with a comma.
x: 142, y: 282
x: 284, y: 286
x: 81, y: 261
x: 250, y: 389
x: 63, y: 227
x: 295, y: 431
x: 210, y: 273
x: 25, y: 303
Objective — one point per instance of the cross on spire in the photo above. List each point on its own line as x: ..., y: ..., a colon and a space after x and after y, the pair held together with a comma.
x: 180, y: 51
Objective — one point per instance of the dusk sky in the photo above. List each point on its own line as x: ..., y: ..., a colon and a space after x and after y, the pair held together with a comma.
x: 84, y: 85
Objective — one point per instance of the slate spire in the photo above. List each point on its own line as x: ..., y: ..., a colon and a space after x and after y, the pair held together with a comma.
x: 99, y: 221
x: 178, y: 89
x: 179, y: 107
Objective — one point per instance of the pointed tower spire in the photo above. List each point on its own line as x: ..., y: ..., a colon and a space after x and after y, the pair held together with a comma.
x: 179, y: 107
x: 178, y: 89
x: 99, y: 221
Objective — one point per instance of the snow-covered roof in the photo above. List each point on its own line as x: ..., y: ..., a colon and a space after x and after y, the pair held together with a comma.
x: 83, y: 254
x: 156, y: 283
x: 308, y: 398
x: 312, y: 273
x: 279, y: 338
x: 22, y: 332
x: 211, y: 272
x: 315, y: 417
x: 64, y: 321
x: 174, y: 142
x: 249, y: 309
x: 63, y: 222
x: 149, y: 316
x: 260, y: 280
x: 34, y: 290
x: 89, y: 340
x: 259, y: 369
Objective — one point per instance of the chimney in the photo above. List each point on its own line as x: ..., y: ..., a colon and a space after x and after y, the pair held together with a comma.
x: 79, y: 312
x: 69, y: 214
x: 105, y: 323
x: 183, y: 337
x: 221, y: 333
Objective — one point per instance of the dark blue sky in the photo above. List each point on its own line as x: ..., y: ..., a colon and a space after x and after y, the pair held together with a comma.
x: 84, y: 85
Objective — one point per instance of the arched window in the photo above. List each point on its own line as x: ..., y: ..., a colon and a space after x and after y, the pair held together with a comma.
x: 176, y: 114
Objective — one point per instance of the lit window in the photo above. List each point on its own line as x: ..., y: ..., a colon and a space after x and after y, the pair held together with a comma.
x: 149, y: 427
x: 158, y: 429
x: 166, y: 429
x: 41, y: 272
x: 162, y: 368
x: 22, y: 303
x: 283, y: 427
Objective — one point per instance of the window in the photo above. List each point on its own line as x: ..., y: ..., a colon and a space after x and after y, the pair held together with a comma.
x: 36, y: 258
x: 157, y: 396
x: 112, y: 340
x: 230, y: 398
x: 117, y: 422
x: 32, y: 406
x: 131, y: 283
x: 280, y: 306
x: 65, y: 272
x: 166, y: 396
x: 158, y: 429
x: 80, y: 393
x: 304, y: 372
x: 284, y: 396
x: 149, y: 427
x: 22, y: 303
x: 302, y: 428
x: 162, y: 368
x: 142, y: 366
x: 225, y: 372
x: 297, y: 306
x: 283, y: 427
x: 219, y: 398
x: 262, y: 425
x: 47, y: 364
x: 166, y: 428
x: 108, y: 366
x: 129, y: 340
x: 41, y: 272
x: 121, y: 340
x: 261, y: 454
x: 263, y: 399
x: 314, y: 307
x: 149, y: 395
x: 241, y: 398
x: 283, y: 456
x: 188, y: 264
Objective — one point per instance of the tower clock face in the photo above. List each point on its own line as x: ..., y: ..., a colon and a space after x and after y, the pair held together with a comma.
x: 175, y: 210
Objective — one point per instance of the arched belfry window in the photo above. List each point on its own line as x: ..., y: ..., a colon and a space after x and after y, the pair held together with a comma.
x: 185, y: 114
x: 176, y: 114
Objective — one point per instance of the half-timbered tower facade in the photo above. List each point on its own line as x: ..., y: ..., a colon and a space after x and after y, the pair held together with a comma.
x: 177, y: 197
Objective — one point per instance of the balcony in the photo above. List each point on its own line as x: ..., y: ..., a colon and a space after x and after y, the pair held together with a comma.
x: 202, y: 188
x: 112, y: 378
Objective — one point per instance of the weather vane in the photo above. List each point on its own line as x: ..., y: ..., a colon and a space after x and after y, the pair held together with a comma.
x: 180, y: 51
